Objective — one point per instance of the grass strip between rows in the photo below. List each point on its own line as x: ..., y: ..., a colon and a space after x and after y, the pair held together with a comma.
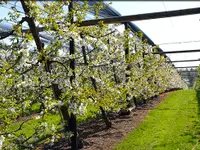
x: 173, y: 125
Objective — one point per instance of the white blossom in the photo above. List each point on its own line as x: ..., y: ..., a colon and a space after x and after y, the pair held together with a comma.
x: 60, y: 103
x: 82, y: 108
x: 52, y: 140
x: 44, y: 124
x: 3, y: 100
x: 42, y: 112
x: 37, y: 117
x: 53, y: 127
x: 2, y: 138
x: 10, y: 135
x: 11, y: 110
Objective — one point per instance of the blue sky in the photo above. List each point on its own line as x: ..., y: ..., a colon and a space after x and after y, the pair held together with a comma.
x: 173, y: 29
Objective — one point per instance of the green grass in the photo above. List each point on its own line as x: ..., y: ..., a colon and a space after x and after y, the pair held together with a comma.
x: 28, y: 127
x: 173, y: 125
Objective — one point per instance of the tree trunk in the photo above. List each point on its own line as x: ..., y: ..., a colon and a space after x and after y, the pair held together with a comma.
x: 105, y: 118
x: 144, y: 101
x: 22, y: 114
x: 40, y: 47
x: 63, y: 109
x: 65, y: 115
x: 42, y: 106
x: 135, y: 102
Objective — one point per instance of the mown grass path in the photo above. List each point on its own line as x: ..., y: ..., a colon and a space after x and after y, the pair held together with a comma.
x: 173, y: 125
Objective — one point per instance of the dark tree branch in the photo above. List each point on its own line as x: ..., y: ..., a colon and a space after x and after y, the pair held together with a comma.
x: 32, y: 27
x: 12, y: 32
x: 29, y: 69
x: 20, y: 128
x: 16, y: 61
x: 58, y: 62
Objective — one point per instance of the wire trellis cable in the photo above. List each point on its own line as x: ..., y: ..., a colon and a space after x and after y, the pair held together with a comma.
x: 182, y: 42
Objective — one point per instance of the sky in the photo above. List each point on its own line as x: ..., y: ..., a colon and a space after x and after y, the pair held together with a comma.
x: 166, y: 30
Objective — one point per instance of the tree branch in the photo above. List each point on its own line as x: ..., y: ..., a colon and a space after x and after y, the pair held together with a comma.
x: 54, y: 61
x: 32, y: 26
x: 12, y: 32
x: 20, y: 128
x: 29, y: 69
x: 16, y: 61
x: 101, y: 35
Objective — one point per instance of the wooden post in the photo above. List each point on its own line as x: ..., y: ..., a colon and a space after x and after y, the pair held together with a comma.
x: 126, y: 50
x: 72, y: 128
x: 104, y: 115
x: 128, y: 67
x: 72, y: 120
x: 126, y: 44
